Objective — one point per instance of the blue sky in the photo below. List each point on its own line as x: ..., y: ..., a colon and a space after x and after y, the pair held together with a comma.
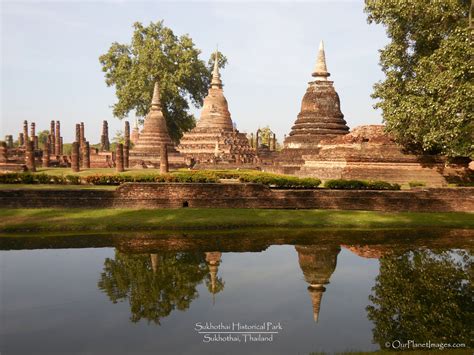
x: 50, y: 68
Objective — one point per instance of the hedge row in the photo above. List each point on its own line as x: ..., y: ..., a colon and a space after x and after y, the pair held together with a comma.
x: 341, y: 184
x: 28, y: 178
x: 272, y: 180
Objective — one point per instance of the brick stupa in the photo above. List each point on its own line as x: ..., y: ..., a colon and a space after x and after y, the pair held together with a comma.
x: 320, y: 115
x: 155, y: 132
x: 146, y: 151
x: 215, y: 139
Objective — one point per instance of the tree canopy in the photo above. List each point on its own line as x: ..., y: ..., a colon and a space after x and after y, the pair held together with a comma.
x: 156, y: 53
x: 426, y: 97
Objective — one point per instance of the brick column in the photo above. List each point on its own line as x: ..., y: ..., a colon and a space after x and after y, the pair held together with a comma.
x: 52, y: 135
x: 126, y: 146
x: 46, y: 157
x: 57, y: 139
x: 21, y: 140
x: 32, y: 131
x: 3, y: 152
x: 119, y: 158
x: 9, y: 141
x: 164, y: 166
x: 82, y: 135
x: 86, y: 155
x: 78, y: 133
x: 75, y: 157
x: 104, y: 138
x: 25, y: 133
x: 30, y: 156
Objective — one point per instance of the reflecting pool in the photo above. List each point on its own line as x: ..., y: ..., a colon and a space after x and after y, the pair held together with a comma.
x: 255, y: 292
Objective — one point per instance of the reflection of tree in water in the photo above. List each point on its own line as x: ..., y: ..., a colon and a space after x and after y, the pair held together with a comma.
x: 154, y: 284
x: 423, y: 296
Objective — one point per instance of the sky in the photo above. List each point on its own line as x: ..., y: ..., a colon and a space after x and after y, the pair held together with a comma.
x: 50, y: 68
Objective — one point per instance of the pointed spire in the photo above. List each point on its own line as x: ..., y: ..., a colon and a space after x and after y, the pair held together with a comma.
x: 216, y: 77
x: 320, y: 70
x: 155, y: 101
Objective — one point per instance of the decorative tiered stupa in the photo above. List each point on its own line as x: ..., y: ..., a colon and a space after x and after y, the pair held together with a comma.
x: 155, y: 131
x: 318, y: 263
x: 320, y: 114
x: 146, y: 151
x: 215, y: 139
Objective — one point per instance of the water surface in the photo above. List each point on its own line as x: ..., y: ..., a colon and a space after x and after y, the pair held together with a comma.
x: 315, y: 291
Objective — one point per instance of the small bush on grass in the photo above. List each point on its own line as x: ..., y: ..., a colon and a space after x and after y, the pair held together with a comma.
x: 341, y: 184
x: 416, y: 184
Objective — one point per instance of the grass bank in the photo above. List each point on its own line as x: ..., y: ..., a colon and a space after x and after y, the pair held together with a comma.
x: 83, y: 220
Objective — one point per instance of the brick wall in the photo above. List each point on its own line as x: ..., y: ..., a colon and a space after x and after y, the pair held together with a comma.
x: 175, y: 195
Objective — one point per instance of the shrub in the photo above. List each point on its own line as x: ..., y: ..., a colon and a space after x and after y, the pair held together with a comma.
x: 342, y: 184
x: 416, y: 184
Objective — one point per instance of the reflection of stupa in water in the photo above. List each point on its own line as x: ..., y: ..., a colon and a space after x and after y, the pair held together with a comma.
x: 318, y: 263
x: 214, y: 284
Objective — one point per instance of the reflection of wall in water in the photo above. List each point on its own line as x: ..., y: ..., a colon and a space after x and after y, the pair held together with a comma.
x: 318, y: 263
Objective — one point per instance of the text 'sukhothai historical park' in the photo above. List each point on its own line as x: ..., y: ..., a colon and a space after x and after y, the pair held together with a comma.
x: 237, y: 177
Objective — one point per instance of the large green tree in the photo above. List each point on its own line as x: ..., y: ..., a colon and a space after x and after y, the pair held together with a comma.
x: 156, y: 53
x: 423, y: 295
x: 426, y: 97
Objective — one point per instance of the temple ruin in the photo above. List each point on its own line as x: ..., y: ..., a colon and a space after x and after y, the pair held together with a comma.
x: 215, y: 138
x: 147, y: 149
x: 318, y: 145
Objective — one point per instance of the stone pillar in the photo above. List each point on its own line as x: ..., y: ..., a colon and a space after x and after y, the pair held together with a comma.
x: 251, y: 140
x: 78, y: 133
x: 25, y: 133
x: 126, y: 156
x: 35, y: 142
x: 75, y: 157
x: 126, y: 146
x: 60, y: 145
x: 82, y: 136
x: 257, y: 140
x: 104, y: 139
x: 274, y: 141
x: 52, y: 135
x: 46, y: 157
x: 119, y: 158
x: 57, y: 138
x: 9, y: 141
x: 30, y: 156
x: 21, y: 140
x: 32, y: 131
x: 164, y: 166
x: 3, y: 152
x: 86, y: 155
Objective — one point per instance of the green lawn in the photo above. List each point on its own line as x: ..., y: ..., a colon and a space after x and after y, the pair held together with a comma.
x: 57, y: 220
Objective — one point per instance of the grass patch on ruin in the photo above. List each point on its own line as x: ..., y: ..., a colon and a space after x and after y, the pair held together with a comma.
x: 102, y: 220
